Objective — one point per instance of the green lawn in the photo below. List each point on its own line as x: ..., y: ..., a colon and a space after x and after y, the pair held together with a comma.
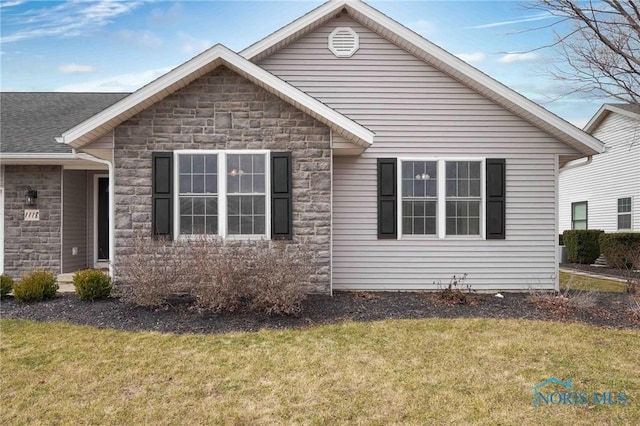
x: 462, y: 371
x: 581, y: 282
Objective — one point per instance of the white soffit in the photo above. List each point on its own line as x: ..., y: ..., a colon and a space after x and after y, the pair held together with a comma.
x: 108, y: 119
x: 434, y: 55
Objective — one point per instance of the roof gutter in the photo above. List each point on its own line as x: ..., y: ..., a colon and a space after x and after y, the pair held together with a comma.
x: 112, y: 203
x: 573, y: 165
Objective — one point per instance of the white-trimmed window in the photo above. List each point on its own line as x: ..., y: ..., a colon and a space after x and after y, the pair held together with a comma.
x: 442, y: 197
x: 222, y: 193
x: 579, y: 215
x: 624, y: 213
x: 464, y: 197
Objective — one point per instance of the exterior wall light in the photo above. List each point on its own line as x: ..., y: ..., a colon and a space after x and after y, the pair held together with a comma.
x: 30, y: 197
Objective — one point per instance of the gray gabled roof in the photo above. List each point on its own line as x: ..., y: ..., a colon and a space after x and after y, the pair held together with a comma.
x: 30, y: 121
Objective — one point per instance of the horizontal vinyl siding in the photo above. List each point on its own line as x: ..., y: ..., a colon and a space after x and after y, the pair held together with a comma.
x: 74, y: 220
x: 611, y: 175
x: 416, y: 110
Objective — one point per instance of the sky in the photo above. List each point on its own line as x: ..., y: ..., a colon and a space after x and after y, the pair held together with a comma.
x: 119, y: 46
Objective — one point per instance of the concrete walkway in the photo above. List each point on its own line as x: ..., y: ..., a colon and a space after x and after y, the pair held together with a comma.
x: 593, y: 275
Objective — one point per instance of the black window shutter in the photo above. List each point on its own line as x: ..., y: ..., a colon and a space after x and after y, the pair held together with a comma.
x: 496, y: 188
x: 162, y: 189
x: 281, y: 196
x: 387, y: 198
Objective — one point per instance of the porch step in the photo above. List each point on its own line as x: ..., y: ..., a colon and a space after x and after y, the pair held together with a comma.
x: 65, y: 283
x: 601, y: 261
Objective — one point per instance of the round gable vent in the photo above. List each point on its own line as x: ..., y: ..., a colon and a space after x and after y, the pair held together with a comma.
x: 343, y: 42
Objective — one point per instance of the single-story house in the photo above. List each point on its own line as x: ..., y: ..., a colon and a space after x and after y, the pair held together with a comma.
x: 395, y: 163
x: 603, y: 192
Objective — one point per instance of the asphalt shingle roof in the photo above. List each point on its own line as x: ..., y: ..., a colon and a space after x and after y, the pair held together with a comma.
x: 30, y: 121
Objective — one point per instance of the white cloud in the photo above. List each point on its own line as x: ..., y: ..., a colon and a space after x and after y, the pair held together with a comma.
x: 424, y: 27
x: 11, y: 3
x: 117, y: 83
x: 472, y: 58
x: 193, y: 45
x: 531, y: 18
x: 144, y: 39
x: 518, y: 57
x: 69, y: 19
x: 76, y: 68
x: 166, y: 16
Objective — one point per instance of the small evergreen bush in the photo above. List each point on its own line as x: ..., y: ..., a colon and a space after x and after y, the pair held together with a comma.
x: 6, y: 284
x: 36, y: 286
x: 92, y: 284
x: 583, y: 245
x: 621, y: 249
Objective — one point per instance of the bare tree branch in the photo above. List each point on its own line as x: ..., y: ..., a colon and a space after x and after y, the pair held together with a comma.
x: 601, y: 48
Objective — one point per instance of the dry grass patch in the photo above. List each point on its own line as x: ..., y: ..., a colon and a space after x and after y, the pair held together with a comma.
x: 463, y: 371
x: 570, y: 281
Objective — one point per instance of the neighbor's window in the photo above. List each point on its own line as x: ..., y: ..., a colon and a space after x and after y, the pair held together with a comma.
x: 222, y: 181
x: 463, y: 198
x: 579, y: 215
x: 624, y: 213
x: 419, y: 197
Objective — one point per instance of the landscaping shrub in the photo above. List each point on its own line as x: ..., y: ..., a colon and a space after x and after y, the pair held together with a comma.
x: 455, y: 293
x: 267, y: 277
x: 6, y: 284
x: 622, y: 249
x: 36, y: 286
x: 583, y: 246
x: 152, y: 272
x: 92, y: 284
x: 275, y: 283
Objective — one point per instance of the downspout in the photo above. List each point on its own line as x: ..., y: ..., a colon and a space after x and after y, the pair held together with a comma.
x: 112, y: 221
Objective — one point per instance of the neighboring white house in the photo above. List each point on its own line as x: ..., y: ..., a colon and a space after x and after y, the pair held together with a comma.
x: 605, y: 193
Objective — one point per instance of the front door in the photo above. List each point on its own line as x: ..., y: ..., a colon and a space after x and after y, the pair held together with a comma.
x: 103, y: 218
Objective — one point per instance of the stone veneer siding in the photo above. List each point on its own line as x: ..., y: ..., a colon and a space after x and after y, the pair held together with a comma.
x: 32, y: 245
x: 223, y: 110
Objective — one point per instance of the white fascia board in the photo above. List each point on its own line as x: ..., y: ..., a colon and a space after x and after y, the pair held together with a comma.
x: 37, y: 156
x: 289, y: 30
x: 45, y: 159
x: 596, y: 119
x: 604, y: 110
x: 210, y: 59
x: 481, y: 82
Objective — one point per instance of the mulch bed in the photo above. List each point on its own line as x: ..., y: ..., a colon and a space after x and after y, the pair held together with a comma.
x: 611, y: 310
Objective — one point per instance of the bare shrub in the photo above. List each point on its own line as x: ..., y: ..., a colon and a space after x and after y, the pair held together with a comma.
x: 275, y: 285
x: 565, y: 301
x: 221, y: 272
x: 455, y: 293
x: 634, y: 309
x: 154, y: 272
x: 262, y: 276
